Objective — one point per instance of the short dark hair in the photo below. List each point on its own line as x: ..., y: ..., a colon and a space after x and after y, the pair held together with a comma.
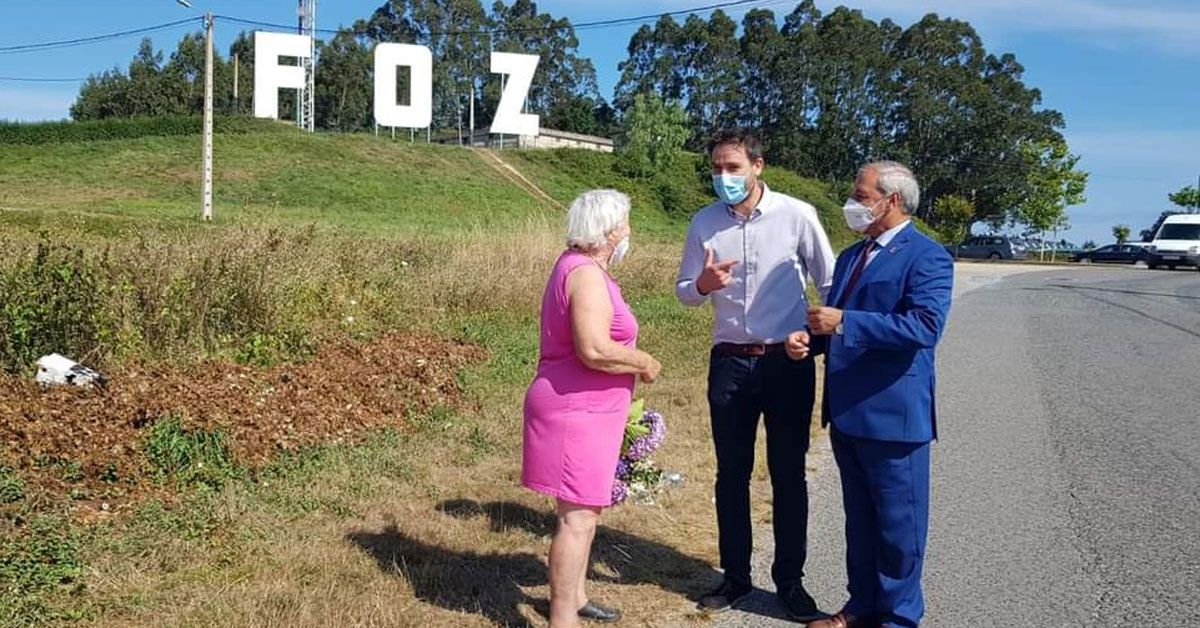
x: 741, y: 136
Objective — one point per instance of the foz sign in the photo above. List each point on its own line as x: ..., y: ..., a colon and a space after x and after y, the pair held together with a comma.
x: 270, y: 77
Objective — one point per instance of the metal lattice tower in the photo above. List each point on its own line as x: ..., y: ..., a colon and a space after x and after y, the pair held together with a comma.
x: 305, y: 110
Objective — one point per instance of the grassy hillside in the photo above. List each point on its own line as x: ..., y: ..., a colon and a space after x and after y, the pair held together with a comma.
x: 279, y: 178
x: 563, y: 173
x: 274, y: 174
x: 319, y: 241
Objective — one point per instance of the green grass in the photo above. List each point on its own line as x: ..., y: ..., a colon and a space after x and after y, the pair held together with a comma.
x: 353, y: 181
x: 189, y: 457
x: 12, y: 486
x: 36, y: 562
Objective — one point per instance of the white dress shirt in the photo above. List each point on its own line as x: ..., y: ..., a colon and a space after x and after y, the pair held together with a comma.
x: 778, y: 248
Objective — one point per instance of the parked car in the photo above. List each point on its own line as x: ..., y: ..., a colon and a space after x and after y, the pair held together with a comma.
x: 1177, y: 242
x: 1112, y: 254
x: 989, y: 247
x: 1061, y: 249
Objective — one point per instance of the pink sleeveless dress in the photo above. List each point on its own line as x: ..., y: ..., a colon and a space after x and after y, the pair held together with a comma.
x: 575, y: 416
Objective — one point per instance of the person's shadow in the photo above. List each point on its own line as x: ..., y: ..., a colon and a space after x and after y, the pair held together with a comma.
x: 468, y: 582
x: 490, y: 584
x: 634, y: 559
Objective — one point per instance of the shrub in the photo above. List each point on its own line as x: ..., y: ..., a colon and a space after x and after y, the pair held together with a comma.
x: 51, y: 303
x: 23, y: 133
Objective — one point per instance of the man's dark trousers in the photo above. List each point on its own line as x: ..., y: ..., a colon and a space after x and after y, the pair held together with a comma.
x: 740, y: 389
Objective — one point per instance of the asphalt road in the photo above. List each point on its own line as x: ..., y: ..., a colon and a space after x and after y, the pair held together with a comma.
x: 1066, y: 481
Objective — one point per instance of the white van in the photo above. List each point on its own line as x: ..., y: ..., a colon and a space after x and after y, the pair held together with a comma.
x: 1177, y: 242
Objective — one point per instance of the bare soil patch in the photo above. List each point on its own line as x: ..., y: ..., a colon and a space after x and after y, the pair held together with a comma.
x: 347, y: 390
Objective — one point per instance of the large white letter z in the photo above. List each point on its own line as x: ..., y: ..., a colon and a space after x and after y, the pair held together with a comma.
x: 520, y: 70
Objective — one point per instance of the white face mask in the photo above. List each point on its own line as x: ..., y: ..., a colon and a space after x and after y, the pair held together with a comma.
x: 620, y: 251
x: 859, y: 217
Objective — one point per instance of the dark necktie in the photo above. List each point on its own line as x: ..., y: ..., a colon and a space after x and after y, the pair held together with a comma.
x: 858, y: 270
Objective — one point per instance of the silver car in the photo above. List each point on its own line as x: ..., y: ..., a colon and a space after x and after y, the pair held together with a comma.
x: 989, y: 247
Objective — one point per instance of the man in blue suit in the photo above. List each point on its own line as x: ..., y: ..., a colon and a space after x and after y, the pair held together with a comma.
x: 888, y: 306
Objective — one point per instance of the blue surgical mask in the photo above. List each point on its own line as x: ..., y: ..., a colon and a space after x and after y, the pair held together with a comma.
x: 730, y: 187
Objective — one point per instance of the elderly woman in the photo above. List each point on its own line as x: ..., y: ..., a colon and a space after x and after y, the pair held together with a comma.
x: 578, y: 403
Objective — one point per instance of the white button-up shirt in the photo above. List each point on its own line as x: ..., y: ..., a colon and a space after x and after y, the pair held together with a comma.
x: 779, y: 247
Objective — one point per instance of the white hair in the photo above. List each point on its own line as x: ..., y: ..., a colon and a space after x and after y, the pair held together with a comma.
x: 894, y: 178
x: 594, y: 215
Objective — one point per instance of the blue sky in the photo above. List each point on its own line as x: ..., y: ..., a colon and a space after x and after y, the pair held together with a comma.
x: 1126, y: 73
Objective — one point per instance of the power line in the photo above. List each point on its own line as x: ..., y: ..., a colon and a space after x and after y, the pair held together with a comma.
x: 580, y: 26
x: 67, y: 43
x: 28, y: 79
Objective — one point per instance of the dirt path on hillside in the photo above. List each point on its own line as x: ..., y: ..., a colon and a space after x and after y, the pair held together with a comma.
x: 507, y: 171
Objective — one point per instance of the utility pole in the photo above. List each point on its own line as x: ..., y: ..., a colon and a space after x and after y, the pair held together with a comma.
x: 236, y: 110
x: 208, y: 116
x: 305, y: 111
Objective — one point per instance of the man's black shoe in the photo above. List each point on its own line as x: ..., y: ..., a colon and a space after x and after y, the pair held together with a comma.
x: 799, y: 604
x: 724, y: 597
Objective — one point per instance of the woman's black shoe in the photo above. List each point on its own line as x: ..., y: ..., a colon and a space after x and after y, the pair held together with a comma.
x: 599, y: 613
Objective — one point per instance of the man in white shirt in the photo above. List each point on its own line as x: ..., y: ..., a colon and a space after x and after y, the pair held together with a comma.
x: 752, y: 254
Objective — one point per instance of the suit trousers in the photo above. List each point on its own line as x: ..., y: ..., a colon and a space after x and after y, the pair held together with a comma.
x: 885, y: 494
x: 740, y: 390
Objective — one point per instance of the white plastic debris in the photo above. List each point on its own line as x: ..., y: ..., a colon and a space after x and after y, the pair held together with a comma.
x: 55, y: 369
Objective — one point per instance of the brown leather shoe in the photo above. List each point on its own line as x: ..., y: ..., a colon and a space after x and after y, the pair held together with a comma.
x: 842, y: 620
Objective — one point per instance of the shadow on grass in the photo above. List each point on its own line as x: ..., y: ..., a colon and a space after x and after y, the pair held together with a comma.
x: 634, y: 559
x: 491, y: 585
x: 468, y: 582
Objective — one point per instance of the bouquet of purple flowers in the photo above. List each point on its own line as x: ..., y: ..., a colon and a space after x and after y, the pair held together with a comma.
x: 636, y: 474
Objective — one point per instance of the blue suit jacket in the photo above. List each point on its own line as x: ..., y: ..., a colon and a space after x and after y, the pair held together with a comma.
x: 879, y: 374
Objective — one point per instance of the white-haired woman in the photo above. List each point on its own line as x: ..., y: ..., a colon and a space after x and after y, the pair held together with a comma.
x: 577, y: 405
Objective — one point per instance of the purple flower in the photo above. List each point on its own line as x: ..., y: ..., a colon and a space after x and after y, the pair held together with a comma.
x: 624, y: 468
x: 620, y: 492
x: 642, y: 447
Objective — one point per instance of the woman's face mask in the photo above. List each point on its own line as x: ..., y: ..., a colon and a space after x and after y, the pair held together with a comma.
x: 620, y: 251
x: 621, y: 248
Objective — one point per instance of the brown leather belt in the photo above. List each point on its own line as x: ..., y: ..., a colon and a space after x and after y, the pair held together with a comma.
x: 753, y: 351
